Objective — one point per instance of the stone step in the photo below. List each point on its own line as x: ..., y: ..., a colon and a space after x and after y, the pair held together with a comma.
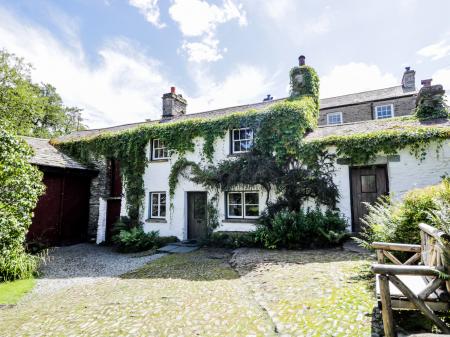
x: 177, y: 249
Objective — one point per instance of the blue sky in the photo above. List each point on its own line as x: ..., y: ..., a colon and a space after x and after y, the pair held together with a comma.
x: 115, y: 58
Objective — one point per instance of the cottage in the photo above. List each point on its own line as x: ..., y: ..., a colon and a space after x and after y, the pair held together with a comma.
x: 420, y: 157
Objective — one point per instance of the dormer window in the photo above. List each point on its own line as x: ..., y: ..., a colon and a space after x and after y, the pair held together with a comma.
x: 384, y: 111
x: 241, y: 140
x: 334, y: 118
x: 159, y: 150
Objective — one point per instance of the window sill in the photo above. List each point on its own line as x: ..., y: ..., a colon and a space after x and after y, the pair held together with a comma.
x: 240, y: 220
x: 238, y: 154
x: 154, y: 220
x: 159, y: 160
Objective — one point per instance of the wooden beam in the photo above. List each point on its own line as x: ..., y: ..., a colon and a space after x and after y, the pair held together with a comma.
x: 430, y: 288
x: 401, y: 247
x: 420, y: 304
x: 412, y: 259
x: 404, y: 270
x: 386, y: 307
x: 391, y: 257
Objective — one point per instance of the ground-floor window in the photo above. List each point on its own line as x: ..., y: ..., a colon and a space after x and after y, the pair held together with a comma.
x: 243, y: 205
x: 158, y: 205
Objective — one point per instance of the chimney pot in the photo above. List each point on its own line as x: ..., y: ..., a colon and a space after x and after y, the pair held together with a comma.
x: 426, y: 82
x: 407, y: 68
x: 172, y: 90
x: 268, y: 98
x: 301, y: 60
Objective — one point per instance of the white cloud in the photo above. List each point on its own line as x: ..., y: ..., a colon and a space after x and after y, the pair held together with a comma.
x: 319, y: 25
x: 354, y: 77
x: 206, y: 50
x: 437, y: 50
x: 442, y: 76
x: 246, y: 84
x: 198, y: 18
x: 150, y: 9
x: 125, y: 86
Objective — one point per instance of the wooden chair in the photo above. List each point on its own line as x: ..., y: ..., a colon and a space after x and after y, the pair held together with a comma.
x: 407, y: 286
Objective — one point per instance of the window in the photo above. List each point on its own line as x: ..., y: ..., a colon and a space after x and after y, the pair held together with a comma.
x: 384, y: 111
x: 158, y: 205
x: 241, y: 140
x: 243, y: 205
x: 159, y: 150
x: 334, y: 118
x: 369, y: 184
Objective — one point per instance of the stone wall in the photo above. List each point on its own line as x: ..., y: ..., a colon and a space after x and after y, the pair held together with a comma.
x: 403, y: 106
x: 99, y: 189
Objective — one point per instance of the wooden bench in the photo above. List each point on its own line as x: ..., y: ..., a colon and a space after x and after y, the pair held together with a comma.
x: 403, y: 285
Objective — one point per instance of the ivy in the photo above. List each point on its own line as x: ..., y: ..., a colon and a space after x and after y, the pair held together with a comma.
x: 280, y: 128
x: 363, y: 148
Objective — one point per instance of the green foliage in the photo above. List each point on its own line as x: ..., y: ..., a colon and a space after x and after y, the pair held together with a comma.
x: 20, y: 189
x: 431, y: 104
x: 304, y: 81
x: 397, y: 221
x: 129, y: 238
x: 300, y: 229
x: 231, y: 240
x: 363, y: 148
x: 32, y: 109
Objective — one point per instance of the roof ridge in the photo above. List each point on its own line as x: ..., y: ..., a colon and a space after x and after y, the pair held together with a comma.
x: 365, y: 91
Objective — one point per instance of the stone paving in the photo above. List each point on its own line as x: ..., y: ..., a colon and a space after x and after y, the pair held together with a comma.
x: 265, y: 293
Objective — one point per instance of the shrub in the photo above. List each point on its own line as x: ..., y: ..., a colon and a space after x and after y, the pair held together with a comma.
x: 398, y: 221
x: 131, y: 239
x: 231, y: 240
x: 20, y: 189
x: 300, y: 229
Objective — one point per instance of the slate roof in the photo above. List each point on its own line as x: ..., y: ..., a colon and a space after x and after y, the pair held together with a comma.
x: 47, y: 155
x: 372, y: 126
x: 356, y: 98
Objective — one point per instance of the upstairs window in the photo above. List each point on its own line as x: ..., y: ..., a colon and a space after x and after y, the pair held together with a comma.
x: 159, y: 150
x: 241, y: 140
x: 158, y: 205
x: 384, y: 111
x: 334, y: 118
x: 243, y: 205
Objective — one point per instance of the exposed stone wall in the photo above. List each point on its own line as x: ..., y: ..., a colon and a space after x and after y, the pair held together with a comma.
x: 362, y: 112
x: 99, y: 188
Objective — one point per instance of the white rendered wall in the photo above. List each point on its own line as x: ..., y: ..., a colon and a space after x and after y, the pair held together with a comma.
x: 101, y: 226
x: 404, y: 175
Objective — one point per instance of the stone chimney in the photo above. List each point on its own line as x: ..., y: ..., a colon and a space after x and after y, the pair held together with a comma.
x: 301, y: 60
x: 173, y: 104
x: 409, y: 79
x: 430, y: 102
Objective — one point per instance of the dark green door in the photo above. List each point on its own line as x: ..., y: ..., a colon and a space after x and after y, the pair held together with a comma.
x: 197, y: 225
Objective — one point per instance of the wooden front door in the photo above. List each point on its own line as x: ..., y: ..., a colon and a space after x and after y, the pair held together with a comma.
x: 197, y: 215
x: 112, y: 215
x: 367, y: 184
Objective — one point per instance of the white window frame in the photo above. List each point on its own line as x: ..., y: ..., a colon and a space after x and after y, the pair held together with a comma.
x: 157, y: 145
x: 381, y: 106
x: 243, y: 205
x: 158, y: 216
x: 332, y: 114
x: 233, y: 140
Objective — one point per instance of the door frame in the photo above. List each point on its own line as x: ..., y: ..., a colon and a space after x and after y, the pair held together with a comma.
x: 351, y: 168
x: 188, y: 193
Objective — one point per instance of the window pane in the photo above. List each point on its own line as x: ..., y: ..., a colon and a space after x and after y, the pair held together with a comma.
x: 236, y: 135
x: 251, y: 210
x: 237, y: 146
x: 249, y: 133
x: 154, y: 198
x: 155, y: 210
x: 235, y: 198
x: 235, y: 210
x: 242, y: 134
x: 163, y: 198
x: 368, y: 184
x: 252, y: 198
x: 162, y: 210
x: 245, y: 145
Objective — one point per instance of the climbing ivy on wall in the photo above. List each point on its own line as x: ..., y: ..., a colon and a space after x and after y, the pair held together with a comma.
x: 363, y: 148
x: 279, y: 130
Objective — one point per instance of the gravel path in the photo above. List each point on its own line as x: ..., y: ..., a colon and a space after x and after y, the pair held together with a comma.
x: 85, y: 263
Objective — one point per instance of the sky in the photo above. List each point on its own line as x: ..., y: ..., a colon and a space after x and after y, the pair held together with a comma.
x: 115, y: 58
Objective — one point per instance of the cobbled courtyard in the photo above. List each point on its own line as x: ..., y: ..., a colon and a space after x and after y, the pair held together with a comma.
x: 209, y: 292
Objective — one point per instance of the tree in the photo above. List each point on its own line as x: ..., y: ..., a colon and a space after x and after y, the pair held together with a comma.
x: 32, y: 109
x: 20, y: 188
